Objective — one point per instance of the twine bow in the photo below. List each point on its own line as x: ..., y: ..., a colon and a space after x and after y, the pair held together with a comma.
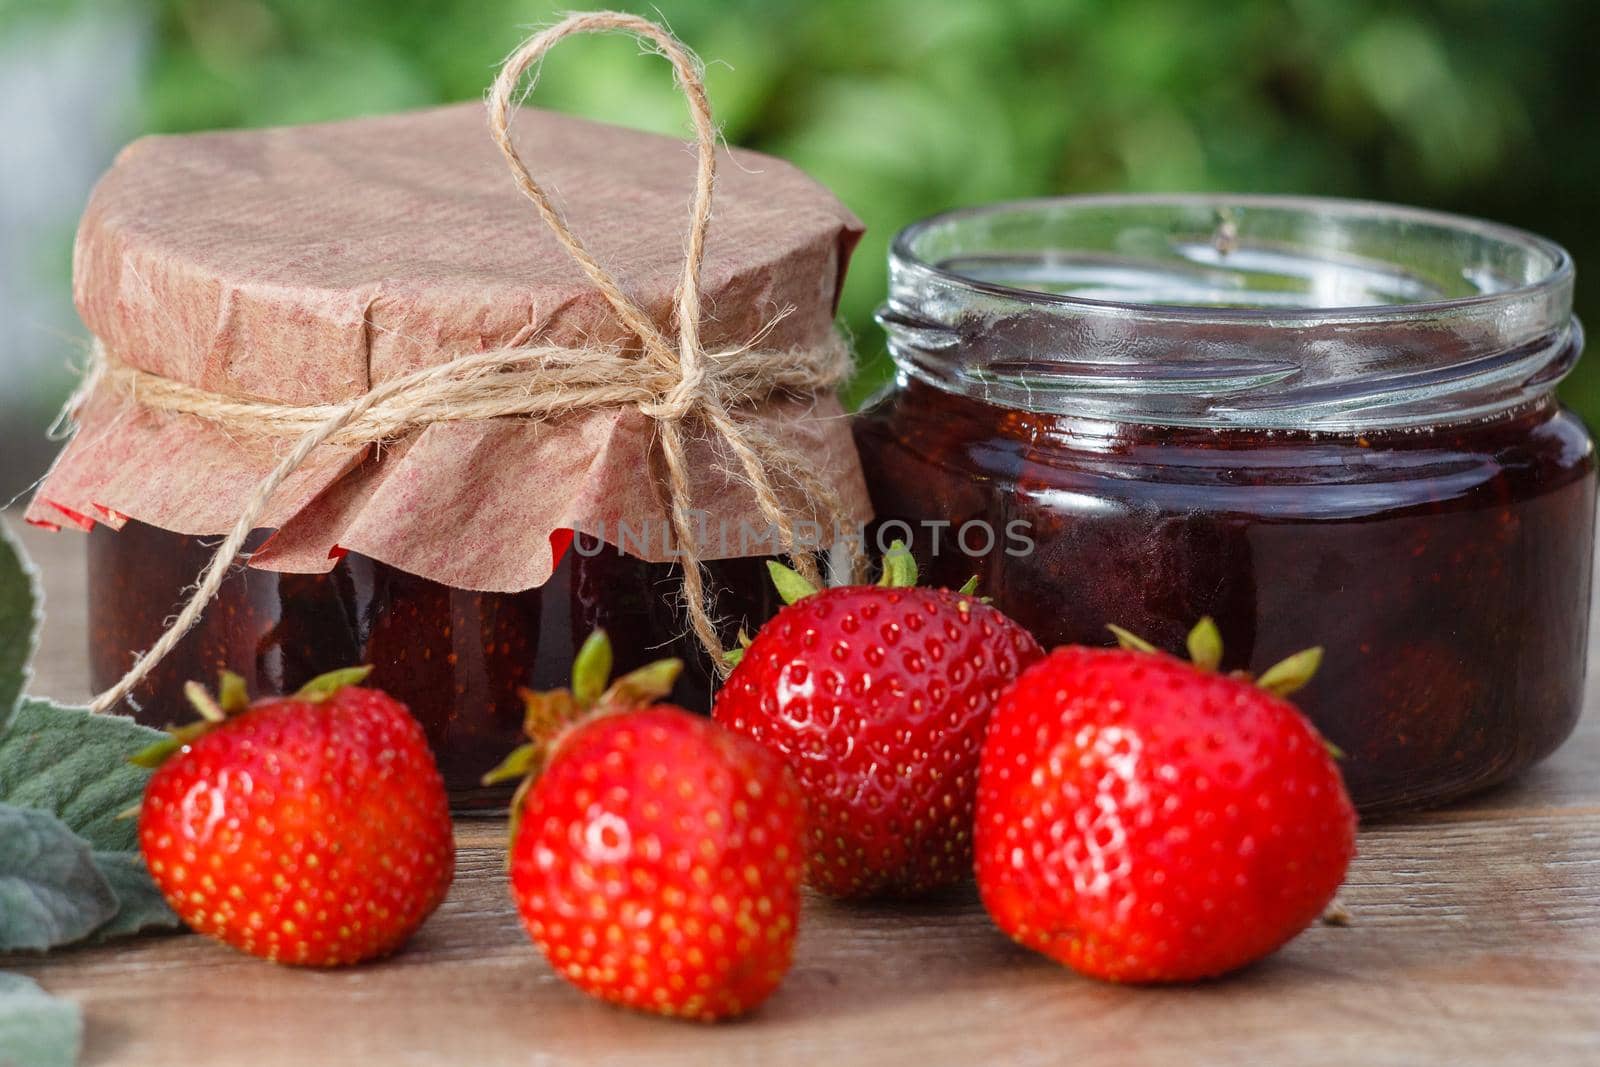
x: 672, y: 380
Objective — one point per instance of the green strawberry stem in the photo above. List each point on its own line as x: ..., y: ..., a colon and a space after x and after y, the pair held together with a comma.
x: 324, y: 686
x: 548, y: 716
x: 200, y: 698
x: 1132, y: 642
x: 899, y: 568
x: 232, y: 693
x: 232, y: 699
x: 790, y: 585
x: 522, y: 762
x: 899, y: 572
x: 733, y: 656
x: 591, y: 669
x: 157, y: 753
x: 1292, y: 672
x: 1204, y: 644
x: 648, y: 684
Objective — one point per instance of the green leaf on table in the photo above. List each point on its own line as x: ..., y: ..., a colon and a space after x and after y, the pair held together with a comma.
x: 140, y: 906
x: 74, y: 764
x: 36, y: 1029
x: 68, y: 764
x: 19, y: 621
x: 69, y: 868
x: 51, y: 892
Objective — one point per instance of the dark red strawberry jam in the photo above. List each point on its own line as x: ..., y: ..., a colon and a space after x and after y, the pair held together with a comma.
x: 1150, y: 443
x: 456, y: 658
x: 1447, y: 575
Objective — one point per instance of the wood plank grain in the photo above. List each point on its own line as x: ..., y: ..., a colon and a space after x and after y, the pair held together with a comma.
x: 1475, y: 939
x: 1468, y: 944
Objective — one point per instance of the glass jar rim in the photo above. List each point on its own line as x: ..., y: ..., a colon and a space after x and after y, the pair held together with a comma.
x: 903, y: 248
x: 1252, y: 321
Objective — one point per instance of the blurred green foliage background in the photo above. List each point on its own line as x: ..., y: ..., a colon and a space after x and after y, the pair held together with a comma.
x: 907, y: 107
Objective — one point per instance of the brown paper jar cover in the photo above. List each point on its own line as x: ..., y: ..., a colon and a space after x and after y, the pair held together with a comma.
x: 307, y: 264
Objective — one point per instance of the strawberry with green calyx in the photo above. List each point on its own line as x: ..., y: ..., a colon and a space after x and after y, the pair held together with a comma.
x: 1204, y: 645
x: 231, y: 698
x: 310, y: 829
x: 899, y: 571
x: 547, y: 715
x: 877, y: 698
x: 655, y: 857
x: 1146, y: 819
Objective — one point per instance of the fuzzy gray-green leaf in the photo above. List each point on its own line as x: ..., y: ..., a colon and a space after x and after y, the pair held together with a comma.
x: 140, y: 905
x: 74, y: 764
x: 36, y: 1029
x: 19, y: 622
x: 51, y: 892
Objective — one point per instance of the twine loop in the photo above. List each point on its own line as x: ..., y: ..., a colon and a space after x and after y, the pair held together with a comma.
x: 671, y: 380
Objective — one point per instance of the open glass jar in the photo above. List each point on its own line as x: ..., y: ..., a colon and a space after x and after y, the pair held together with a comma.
x: 1321, y: 422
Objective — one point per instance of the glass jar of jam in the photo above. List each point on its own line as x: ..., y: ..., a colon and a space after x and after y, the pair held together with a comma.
x: 1320, y: 422
x: 455, y: 657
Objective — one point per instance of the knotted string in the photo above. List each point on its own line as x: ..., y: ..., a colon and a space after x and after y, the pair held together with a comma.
x: 673, y: 381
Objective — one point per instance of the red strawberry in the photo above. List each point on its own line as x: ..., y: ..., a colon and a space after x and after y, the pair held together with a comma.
x: 655, y: 857
x: 1141, y: 819
x: 877, y: 697
x: 310, y: 829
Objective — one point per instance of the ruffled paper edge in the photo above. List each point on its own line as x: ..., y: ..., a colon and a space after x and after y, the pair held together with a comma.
x: 486, y: 506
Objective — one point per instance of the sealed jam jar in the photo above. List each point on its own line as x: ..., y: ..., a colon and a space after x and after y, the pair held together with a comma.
x: 1320, y: 422
x: 456, y: 657
x: 360, y: 345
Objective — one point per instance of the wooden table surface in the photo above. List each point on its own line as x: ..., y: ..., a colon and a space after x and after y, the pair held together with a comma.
x: 1474, y: 939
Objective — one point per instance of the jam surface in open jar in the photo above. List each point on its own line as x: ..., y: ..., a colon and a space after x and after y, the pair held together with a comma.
x: 1445, y: 573
x: 456, y: 658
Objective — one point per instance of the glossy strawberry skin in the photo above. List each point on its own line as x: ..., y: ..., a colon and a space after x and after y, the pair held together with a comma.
x: 1143, y: 821
x: 657, y: 864
x: 312, y: 833
x: 877, y: 699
